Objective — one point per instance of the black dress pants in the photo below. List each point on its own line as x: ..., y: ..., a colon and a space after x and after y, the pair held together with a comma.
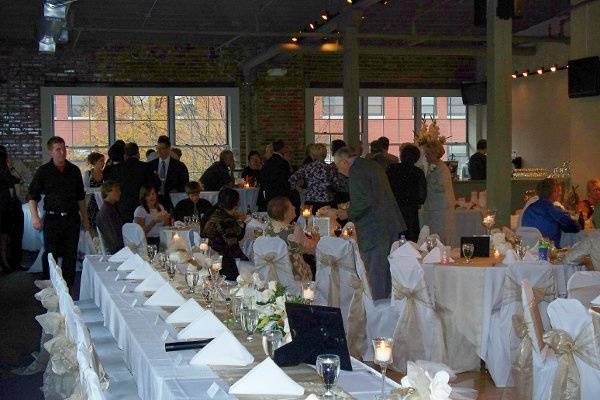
x: 411, y: 218
x: 61, y: 237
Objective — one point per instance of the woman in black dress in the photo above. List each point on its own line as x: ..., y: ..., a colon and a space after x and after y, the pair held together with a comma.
x: 11, y: 217
x: 93, y: 178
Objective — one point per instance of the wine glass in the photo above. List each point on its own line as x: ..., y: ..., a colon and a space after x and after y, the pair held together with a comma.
x: 171, y: 269
x: 191, y: 278
x: 328, y: 368
x: 249, y: 322
x: 187, y: 220
x: 350, y: 230
x: 151, y: 249
x: 430, y: 243
x: 271, y: 341
x: 468, y: 249
x: 236, y: 307
x: 337, y: 231
x: 383, y: 348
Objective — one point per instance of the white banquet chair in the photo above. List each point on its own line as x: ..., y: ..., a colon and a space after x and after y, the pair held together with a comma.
x: 272, y: 262
x: 503, y: 340
x: 410, y: 317
x: 529, y: 235
x: 584, y: 286
x: 102, y: 246
x: 176, y: 197
x: 134, y: 237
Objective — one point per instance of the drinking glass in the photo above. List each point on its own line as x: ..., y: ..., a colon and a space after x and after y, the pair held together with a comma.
x: 489, y: 220
x: 151, y: 249
x: 236, y: 307
x: 271, y: 341
x: 468, y: 249
x: 337, y: 231
x: 171, y: 269
x: 187, y: 220
x: 328, y: 368
x: 383, y: 348
x: 191, y: 278
x: 430, y: 243
x: 249, y: 322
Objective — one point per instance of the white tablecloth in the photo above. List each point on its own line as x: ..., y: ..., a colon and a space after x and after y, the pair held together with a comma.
x: 248, y: 197
x: 466, y: 297
x: 160, y: 375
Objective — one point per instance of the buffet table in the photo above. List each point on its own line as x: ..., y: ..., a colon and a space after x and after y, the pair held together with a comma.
x: 141, y: 332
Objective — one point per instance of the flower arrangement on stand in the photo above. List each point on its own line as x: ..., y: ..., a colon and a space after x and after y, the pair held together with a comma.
x: 428, y: 135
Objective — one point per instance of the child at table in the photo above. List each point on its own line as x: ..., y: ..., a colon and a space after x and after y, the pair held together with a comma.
x: 151, y: 215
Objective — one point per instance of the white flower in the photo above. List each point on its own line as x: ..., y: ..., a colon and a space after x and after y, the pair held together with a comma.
x: 266, y: 295
x: 258, y: 283
x: 417, y: 379
x: 439, y: 388
x: 273, y: 285
x: 279, y: 306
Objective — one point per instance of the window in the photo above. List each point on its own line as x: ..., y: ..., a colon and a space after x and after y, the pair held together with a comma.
x: 397, y: 124
x: 428, y: 109
x: 333, y: 106
x: 375, y: 106
x: 77, y: 106
x: 456, y: 108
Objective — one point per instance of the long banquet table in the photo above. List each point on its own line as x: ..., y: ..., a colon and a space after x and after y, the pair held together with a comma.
x: 139, y: 331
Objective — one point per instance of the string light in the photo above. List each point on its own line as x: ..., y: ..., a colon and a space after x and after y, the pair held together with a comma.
x: 294, y: 39
x: 515, y: 74
x: 540, y: 70
x: 324, y: 15
x: 553, y: 68
x: 312, y: 26
x: 525, y: 73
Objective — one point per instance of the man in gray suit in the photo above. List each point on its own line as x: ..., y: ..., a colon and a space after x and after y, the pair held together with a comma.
x: 376, y: 215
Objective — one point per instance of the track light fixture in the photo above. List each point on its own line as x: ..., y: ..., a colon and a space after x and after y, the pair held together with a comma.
x: 525, y: 73
x: 312, y: 26
x: 553, y: 67
x: 514, y: 75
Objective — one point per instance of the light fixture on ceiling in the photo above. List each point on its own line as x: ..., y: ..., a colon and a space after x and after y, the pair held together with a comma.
x: 349, y: 1
x: 540, y: 70
x: 294, y: 38
x: 312, y: 26
x: 525, y: 73
x: 385, y: 2
x: 515, y: 74
x: 55, y: 9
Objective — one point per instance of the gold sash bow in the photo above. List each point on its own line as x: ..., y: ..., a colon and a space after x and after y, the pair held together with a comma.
x: 269, y: 260
x: 567, y: 382
x: 523, y: 360
x: 357, y: 319
x: 407, y: 334
x: 334, y: 264
x: 544, y: 291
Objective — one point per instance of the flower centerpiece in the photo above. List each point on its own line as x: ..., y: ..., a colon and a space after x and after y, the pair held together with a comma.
x: 270, y: 304
x: 428, y: 135
x: 423, y: 385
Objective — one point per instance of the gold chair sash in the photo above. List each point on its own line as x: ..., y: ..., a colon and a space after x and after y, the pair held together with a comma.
x: 408, y: 338
x: 270, y: 260
x: 567, y: 382
x: 595, y: 312
x: 544, y: 291
x: 585, y: 293
x: 335, y: 264
x: 522, y: 368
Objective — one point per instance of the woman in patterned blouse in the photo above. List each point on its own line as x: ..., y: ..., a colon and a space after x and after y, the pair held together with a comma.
x: 318, y: 177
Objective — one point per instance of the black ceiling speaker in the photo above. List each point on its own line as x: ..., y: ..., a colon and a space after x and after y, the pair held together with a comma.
x: 479, y: 11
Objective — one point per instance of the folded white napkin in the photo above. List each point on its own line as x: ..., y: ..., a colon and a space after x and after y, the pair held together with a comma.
x: 186, y: 313
x: 224, y: 350
x: 267, y: 379
x: 406, y: 250
x: 312, y: 397
x: 121, y: 255
x: 204, y: 327
x: 425, y: 231
x: 433, y: 257
x: 438, y: 243
x: 510, y: 257
x: 141, y: 272
x: 152, y: 283
x: 131, y: 263
x: 596, y: 301
x: 166, y: 296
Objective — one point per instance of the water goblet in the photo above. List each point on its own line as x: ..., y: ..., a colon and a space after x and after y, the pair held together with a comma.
x: 171, y: 269
x: 430, y: 243
x: 308, y: 291
x: 191, y: 278
x: 337, y: 231
x: 271, y: 341
x: 236, y: 307
x: 249, y: 322
x: 328, y: 368
x: 383, y: 348
x: 468, y: 249
x: 151, y: 249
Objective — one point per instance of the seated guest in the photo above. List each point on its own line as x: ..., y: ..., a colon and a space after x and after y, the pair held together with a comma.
x: 135, y: 175
x: 548, y: 218
x: 224, y: 230
x: 409, y: 186
x: 108, y: 219
x: 318, y: 178
x: 588, y: 247
x: 478, y: 162
x: 220, y: 173
x: 593, y: 190
x: 281, y: 212
x: 151, y: 154
x: 193, y: 205
x: 150, y: 214
x: 252, y: 171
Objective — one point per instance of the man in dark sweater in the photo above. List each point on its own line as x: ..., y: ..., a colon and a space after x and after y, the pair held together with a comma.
x: 478, y: 162
x: 134, y: 175
x: 220, y: 173
x: 193, y: 205
x: 108, y: 219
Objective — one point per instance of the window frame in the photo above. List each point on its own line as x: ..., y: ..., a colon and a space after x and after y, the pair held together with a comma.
x: 450, y: 107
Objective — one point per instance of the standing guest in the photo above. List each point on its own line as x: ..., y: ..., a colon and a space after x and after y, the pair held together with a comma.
x: 593, y: 191
x: 151, y: 154
x: 135, y: 175
x: 251, y: 173
x: 318, y: 177
x: 340, y: 193
x: 410, y: 188
x: 268, y: 152
x: 11, y: 217
x: 384, y: 142
x: 170, y: 175
x: 150, y: 214
x: 220, y: 173
x: 64, y: 203
x: 438, y: 209
x: 478, y: 162
x: 375, y: 214
x: 276, y: 172
x: 549, y: 219
x: 224, y: 230
x: 176, y: 153
x: 116, y: 156
x: 193, y: 205
x: 92, y: 178
x: 108, y: 220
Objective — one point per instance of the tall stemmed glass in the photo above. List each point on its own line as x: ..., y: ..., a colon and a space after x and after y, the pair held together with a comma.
x: 191, y: 278
x: 171, y: 270
x: 468, y: 249
x: 489, y: 220
x: 249, y: 322
x: 151, y: 249
x: 383, y: 348
x: 328, y: 368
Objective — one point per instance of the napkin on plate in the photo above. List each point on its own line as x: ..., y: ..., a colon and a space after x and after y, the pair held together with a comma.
x: 152, y: 283
x: 425, y: 231
x: 131, y: 263
x: 166, y: 296
x: 141, y: 272
x: 406, y: 250
x: 186, y: 313
x: 510, y: 257
x: 266, y: 379
x: 224, y: 350
x: 433, y: 257
x: 204, y: 327
x: 121, y: 255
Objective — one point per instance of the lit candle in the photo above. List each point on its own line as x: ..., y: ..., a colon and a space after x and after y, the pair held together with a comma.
x: 306, y: 213
x: 308, y: 293
x: 496, y: 253
x: 246, y: 185
x: 488, y: 220
x: 383, y: 352
x: 203, y: 247
x: 345, y: 233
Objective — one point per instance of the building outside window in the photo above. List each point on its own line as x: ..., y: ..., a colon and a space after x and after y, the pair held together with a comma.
x: 428, y: 107
x: 456, y: 108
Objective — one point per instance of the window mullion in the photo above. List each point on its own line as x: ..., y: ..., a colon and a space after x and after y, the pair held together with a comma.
x: 110, y: 109
x: 171, y: 119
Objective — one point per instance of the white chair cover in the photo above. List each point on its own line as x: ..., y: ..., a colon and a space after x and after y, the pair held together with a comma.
x: 273, y: 263
x: 529, y: 202
x: 584, y: 286
x: 134, y: 237
x: 529, y: 235
x: 177, y: 197
x: 102, y: 246
x: 503, y: 339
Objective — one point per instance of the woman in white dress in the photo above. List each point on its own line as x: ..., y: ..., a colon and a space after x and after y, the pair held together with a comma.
x: 438, y: 209
x: 151, y: 215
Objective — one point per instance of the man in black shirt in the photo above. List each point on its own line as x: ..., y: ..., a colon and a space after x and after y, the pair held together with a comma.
x: 220, y: 173
x: 61, y: 183
x: 276, y: 173
x: 193, y: 205
x: 478, y: 162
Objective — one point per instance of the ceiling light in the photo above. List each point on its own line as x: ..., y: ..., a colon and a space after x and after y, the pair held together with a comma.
x: 553, y: 68
x: 324, y: 15
x: 312, y: 26
x: 294, y: 39
x: 540, y: 70
x: 385, y: 2
x: 515, y: 74
x: 525, y: 73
